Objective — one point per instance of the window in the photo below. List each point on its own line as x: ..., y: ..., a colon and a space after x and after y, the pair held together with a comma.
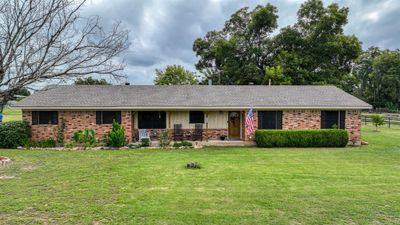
x: 333, y: 119
x: 108, y: 117
x: 196, y: 117
x: 152, y: 120
x: 44, y: 117
x: 269, y: 119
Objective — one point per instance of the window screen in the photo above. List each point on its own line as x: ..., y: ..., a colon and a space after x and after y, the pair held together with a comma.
x: 196, y: 117
x: 269, y: 119
x: 44, y: 117
x: 108, y: 117
x: 333, y: 119
x: 152, y: 120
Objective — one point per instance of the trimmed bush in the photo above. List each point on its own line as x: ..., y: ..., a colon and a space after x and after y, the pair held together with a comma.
x: 302, y: 138
x: 14, y: 134
x: 116, y: 138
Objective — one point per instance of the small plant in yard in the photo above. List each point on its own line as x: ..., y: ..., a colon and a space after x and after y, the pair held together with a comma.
x: 68, y: 145
x: 116, y: 137
x: 164, y: 140
x: 86, y: 138
x: 49, y: 143
x: 377, y: 120
x: 193, y: 165
x: 183, y: 144
x: 145, y: 142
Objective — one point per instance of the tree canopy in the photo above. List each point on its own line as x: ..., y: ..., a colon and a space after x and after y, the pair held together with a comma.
x: 91, y: 81
x: 312, y: 51
x: 175, y: 74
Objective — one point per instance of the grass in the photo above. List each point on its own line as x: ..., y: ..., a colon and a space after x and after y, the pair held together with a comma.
x: 355, y: 185
x: 10, y: 114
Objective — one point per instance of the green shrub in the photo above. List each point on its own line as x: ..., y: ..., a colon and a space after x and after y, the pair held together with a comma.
x: 302, y: 138
x: 377, y: 120
x: 49, y: 143
x: 14, y: 134
x: 145, y: 142
x: 163, y: 140
x: 69, y: 145
x: 187, y: 143
x: 86, y: 138
x: 177, y: 144
x: 116, y: 137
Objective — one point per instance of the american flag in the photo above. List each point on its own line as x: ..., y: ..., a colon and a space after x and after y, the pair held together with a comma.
x: 249, y: 122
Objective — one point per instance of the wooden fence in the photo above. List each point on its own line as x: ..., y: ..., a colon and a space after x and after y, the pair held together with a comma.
x: 390, y: 119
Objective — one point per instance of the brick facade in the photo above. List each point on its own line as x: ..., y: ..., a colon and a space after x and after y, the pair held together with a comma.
x: 291, y: 119
x: 75, y: 121
x: 353, y: 125
x: 301, y: 119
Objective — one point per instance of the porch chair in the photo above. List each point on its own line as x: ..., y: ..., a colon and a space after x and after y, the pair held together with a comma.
x: 198, y: 132
x: 143, y: 133
x: 178, y: 132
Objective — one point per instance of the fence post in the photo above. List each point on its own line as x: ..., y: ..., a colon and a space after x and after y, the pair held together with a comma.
x: 389, y: 122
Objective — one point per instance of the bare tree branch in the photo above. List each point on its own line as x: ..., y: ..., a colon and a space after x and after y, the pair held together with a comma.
x: 49, y: 40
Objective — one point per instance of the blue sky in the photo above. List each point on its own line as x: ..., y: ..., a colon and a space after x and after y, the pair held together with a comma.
x: 162, y: 31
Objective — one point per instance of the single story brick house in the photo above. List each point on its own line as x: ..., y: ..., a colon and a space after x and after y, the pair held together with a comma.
x: 220, y: 109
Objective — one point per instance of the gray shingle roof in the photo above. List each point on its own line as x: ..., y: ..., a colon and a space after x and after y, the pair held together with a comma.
x: 185, y: 96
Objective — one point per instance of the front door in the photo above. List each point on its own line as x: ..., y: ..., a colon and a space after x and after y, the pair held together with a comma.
x: 234, y: 125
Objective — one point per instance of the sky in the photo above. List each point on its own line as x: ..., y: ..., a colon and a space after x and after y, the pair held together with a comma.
x: 162, y: 32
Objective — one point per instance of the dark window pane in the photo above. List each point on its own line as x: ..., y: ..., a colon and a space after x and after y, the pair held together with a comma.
x: 108, y: 117
x: 269, y: 119
x: 99, y: 117
x: 152, y: 120
x: 44, y: 117
x: 330, y: 119
x: 196, y: 117
x: 342, y: 120
x: 35, y: 117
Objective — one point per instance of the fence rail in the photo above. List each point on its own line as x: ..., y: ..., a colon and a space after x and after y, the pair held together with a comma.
x: 390, y: 119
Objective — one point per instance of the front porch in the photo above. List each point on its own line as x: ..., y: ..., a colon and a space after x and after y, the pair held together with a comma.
x: 186, y: 125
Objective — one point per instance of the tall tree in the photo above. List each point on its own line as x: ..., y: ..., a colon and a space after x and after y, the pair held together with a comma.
x: 91, y: 81
x: 49, y: 40
x: 314, y: 50
x: 175, y: 74
x: 386, y: 79
x: 241, y: 51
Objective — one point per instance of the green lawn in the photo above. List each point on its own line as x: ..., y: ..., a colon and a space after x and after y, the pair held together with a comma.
x: 10, y: 114
x: 358, y: 185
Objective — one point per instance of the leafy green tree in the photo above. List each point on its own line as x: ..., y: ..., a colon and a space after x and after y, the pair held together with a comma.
x: 376, y: 77
x: 241, y: 51
x: 377, y: 120
x: 23, y: 92
x: 174, y: 75
x: 386, y: 79
x: 91, y: 81
x: 314, y: 50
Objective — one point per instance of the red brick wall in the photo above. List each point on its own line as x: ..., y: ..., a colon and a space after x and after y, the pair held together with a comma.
x: 301, y: 119
x: 311, y: 119
x: 74, y: 121
x: 353, y: 125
